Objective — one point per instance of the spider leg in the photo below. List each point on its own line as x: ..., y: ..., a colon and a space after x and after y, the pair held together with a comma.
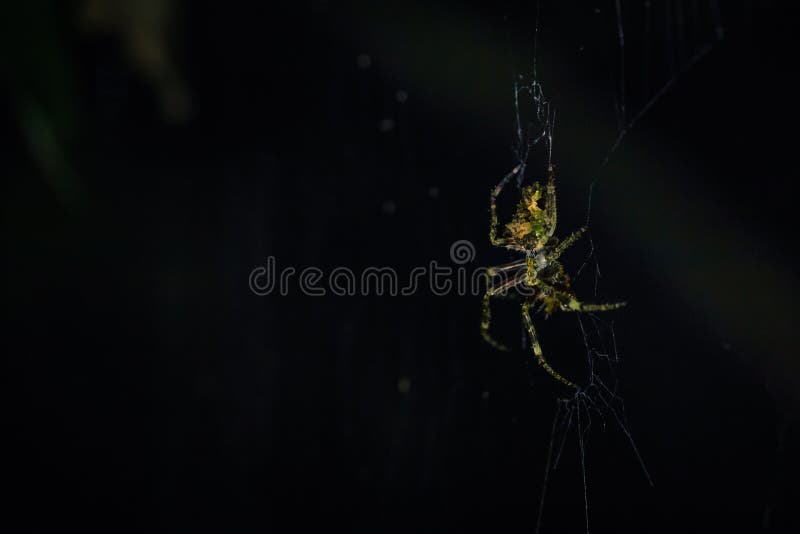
x: 550, y: 200
x: 503, y: 288
x: 492, y: 271
x: 574, y: 236
x: 486, y: 319
x: 572, y: 304
x: 537, y: 349
x: 486, y: 316
x: 493, y: 224
x: 566, y: 302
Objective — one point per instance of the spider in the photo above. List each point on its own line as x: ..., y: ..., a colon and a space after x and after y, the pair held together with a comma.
x: 539, y: 276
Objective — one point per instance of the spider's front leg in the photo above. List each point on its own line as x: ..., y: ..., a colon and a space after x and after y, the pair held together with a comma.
x: 493, y: 224
x: 550, y: 200
x: 537, y: 349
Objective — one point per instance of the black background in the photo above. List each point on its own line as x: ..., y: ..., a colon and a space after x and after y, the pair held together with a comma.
x: 148, y: 389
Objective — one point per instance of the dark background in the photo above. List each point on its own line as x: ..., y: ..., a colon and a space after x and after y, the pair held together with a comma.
x: 154, y: 153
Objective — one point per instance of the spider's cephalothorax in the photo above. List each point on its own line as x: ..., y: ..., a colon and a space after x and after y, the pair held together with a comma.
x: 539, y: 276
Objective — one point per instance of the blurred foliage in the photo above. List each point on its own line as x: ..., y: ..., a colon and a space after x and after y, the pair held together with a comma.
x: 41, y: 75
x: 144, y: 29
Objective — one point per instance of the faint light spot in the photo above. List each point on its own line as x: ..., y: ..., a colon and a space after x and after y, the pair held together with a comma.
x: 515, y: 420
x: 363, y: 61
x: 403, y: 384
x: 485, y: 395
x: 433, y: 192
x: 580, y: 48
x: 597, y: 11
x: 386, y: 125
x: 401, y: 96
x: 389, y: 207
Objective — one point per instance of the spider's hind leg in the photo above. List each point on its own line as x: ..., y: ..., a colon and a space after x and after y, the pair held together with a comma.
x: 501, y: 290
x: 486, y: 319
x: 537, y: 349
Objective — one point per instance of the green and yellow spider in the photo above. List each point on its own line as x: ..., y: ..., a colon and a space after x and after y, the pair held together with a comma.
x: 539, y: 277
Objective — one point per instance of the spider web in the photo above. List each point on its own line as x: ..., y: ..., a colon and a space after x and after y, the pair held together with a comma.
x: 688, y: 33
